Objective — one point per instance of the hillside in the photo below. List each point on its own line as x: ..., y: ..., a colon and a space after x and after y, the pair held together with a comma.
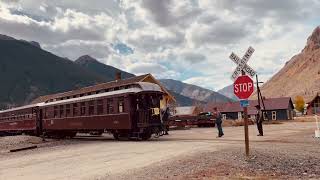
x: 300, y: 75
x: 184, y: 100
x: 228, y: 92
x: 26, y: 71
x: 103, y: 70
x: 193, y: 92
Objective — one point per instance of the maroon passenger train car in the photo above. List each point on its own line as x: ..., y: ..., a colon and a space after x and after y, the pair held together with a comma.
x: 130, y: 111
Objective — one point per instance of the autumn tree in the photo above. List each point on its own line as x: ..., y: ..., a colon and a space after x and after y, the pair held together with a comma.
x: 300, y: 103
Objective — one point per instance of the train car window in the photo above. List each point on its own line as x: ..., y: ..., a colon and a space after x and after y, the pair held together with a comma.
x: 100, y: 106
x: 121, y: 105
x: 109, y: 106
x: 68, y: 111
x: 61, y: 108
x: 75, y: 109
x: 55, y: 111
x: 83, y: 109
x: 91, y: 107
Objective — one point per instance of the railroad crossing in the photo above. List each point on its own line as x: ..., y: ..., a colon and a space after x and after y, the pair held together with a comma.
x: 243, y: 86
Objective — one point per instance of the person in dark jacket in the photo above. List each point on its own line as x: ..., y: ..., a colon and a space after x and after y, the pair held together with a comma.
x: 218, y: 117
x: 165, y: 118
x: 259, y: 120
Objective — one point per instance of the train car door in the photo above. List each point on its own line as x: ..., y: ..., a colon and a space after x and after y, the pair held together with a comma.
x: 39, y: 113
x: 142, y: 111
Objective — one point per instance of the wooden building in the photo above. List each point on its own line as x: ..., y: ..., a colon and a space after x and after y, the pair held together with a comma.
x: 275, y: 109
x: 118, y: 83
x: 314, y: 105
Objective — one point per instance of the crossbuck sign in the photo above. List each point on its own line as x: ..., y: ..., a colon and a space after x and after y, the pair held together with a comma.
x: 242, y: 64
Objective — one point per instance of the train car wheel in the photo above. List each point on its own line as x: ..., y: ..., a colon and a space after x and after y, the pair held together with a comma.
x: 116, y: 136
x: 146, y: 136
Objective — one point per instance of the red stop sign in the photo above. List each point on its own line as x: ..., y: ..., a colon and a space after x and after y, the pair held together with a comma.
x: 243, y: 87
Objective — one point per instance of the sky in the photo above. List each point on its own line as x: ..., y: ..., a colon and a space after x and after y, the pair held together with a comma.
x: 187, y: 40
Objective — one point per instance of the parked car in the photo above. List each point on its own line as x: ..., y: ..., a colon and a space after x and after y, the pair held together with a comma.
x: 206, y: 119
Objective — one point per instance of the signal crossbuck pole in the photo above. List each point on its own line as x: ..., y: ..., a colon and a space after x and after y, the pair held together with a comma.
x: 243, y: 87
x: 246, y: 130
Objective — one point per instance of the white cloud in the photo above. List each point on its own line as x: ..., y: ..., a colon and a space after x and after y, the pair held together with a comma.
x: 186, y: 40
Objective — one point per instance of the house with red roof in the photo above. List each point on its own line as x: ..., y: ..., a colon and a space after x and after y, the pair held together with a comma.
x: 274, y: 109
x: 314, y: 105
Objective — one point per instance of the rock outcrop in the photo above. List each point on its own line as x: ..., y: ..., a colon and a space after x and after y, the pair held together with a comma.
x: 300, y: 75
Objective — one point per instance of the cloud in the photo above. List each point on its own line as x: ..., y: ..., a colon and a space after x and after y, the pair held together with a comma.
x: 157, y: 69
x: 187, y: 40
x: 193, y: 57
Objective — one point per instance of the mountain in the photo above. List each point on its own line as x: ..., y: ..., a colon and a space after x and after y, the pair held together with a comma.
x: 27, y: 71
x: 194, y: 92
x: 300, y: 75
x: 184, y: 100
x: 228, y: 92
x: 106, y: 71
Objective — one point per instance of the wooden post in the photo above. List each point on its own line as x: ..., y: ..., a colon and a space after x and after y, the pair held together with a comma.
x: 246, y: 130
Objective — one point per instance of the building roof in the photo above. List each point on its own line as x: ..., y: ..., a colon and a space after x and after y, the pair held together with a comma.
x: 313, y: 99
x: 97, y: 87
x: 270, y: 104
x: 185, y: 110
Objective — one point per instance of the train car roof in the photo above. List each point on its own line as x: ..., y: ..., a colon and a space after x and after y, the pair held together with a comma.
x: 143, y: 86
x: 21, y: 107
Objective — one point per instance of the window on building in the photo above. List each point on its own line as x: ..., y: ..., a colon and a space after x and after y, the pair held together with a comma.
x: 83, y: 109
x: 109, y: 106
x: 91, y: 107
x: 61, y: 110
x: 100, y: 106
x: 224, y: 116
x: 265, y: 116
x: 68, y: 110
x: 121, y: 105
x: 239, y: 115
x: 75, y: 109
x: 274, y: 115
x: 55, y: 111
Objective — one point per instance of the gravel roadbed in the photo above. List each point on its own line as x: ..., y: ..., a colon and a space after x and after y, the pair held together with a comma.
x: 278, y: 161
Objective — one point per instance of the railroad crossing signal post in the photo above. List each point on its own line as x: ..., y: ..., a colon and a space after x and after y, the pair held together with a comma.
x: 243, y: 87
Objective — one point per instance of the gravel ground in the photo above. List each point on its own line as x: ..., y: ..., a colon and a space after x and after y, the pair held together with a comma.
x: 288, y: 151
x: 292, y: 157
x: 271, y: 163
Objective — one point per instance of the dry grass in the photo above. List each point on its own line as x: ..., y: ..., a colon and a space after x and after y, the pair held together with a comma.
x: 229, y: 123
x: 305, y: 119
x: 272, y: 122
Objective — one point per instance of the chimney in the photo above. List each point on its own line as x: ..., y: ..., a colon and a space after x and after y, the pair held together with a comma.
x: 118, y: 76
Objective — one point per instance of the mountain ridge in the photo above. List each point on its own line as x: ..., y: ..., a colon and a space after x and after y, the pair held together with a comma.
x: 194, y: 92
x: 300, y: 76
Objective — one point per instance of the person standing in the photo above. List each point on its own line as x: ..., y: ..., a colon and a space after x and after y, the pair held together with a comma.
x: 218, y: 117
x: 259, y: 120
x: 165, y: 118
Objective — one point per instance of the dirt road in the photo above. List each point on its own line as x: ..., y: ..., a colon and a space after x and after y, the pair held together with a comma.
x: 100, y: 158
